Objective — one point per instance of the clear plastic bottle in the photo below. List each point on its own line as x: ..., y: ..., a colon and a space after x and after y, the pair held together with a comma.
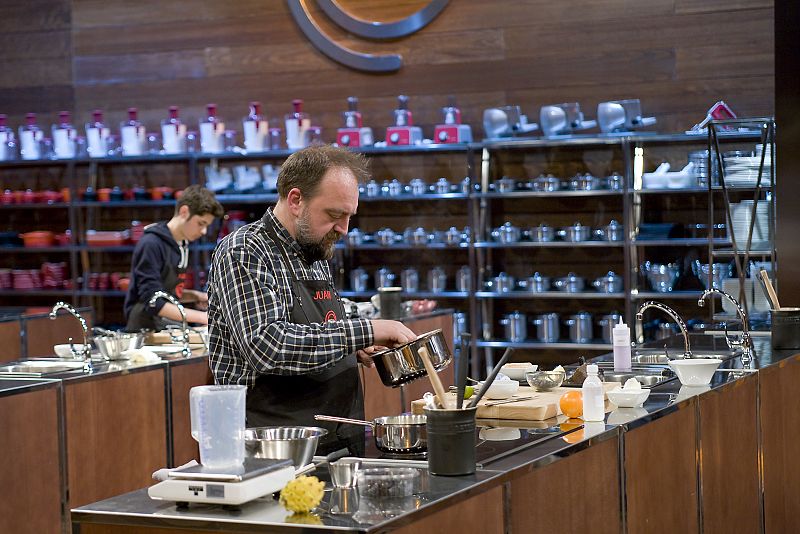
x: 30, y: 138
x: 296, y: 125
x: 593, y: 396
x: 173, y: 133
x: 256, y: 129
x: 7, y: 144
x: 97, y: 134
x: 212, y: 131
x: 621, y: 335
x: 64, y: 135
x: 133, y: 138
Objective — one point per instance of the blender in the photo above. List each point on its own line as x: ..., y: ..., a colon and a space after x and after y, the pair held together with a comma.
x: 353, y: 134
x: 452, y: 131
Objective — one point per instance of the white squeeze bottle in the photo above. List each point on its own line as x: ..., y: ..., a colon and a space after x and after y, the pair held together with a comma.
x: 593, y: 396
x: 622, y: 346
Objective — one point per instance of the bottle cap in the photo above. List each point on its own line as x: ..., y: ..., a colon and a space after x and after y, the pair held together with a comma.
x: 212, y: 110
x: 591, y: 369
x: 173, y: 112
x: 97, y: 115
x: 132, y: 112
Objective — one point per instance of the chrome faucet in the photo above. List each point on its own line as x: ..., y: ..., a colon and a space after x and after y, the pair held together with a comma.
x: 687, y: 352
x: 85, y: 354
x: 746, y: 342
x: 164, y: 295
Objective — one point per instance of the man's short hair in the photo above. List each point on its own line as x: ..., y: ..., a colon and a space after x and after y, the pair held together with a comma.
x: 305, y: 168
x: 200, y: 202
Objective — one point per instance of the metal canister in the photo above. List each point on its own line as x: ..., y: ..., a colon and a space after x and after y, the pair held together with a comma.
x: 384, y: 277
x: 409, y: 280
x: 418, y: 186
x: 547, y: 330
x: 395, y: 188
x: 580, y: 327
x: 358, y: 279
x: 516, y: 326
x: 464, y: 279
x: 373, y: 189
x: 437, y: 280
x: 442, y: 186
x: 606, y: 324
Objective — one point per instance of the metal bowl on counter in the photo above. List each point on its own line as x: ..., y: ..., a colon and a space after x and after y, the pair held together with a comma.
x: 112, y: 345
x: 295, y: 443
x: 545, y: 380
x: 402, y: 364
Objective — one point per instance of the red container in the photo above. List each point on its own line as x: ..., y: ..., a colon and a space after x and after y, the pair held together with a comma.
x: 39, y: 239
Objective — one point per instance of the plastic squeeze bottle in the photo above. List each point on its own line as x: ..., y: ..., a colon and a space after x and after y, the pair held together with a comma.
x: 621, y: 335
x: 593, y: 396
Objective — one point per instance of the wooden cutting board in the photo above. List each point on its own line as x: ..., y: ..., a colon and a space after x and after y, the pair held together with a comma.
x: 543, y: 405
x: 163, y: 338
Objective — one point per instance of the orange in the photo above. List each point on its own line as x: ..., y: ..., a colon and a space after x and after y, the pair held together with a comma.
x: 571, y: 404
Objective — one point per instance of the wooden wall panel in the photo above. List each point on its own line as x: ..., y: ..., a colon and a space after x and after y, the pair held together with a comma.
x: 780, y: 435
x: 569, y: 495
x: 30, y: 470
x: 661, y: 474
x: 112, y: 54
x: 42, y: 333
x: 481, y: 513
x: 10, y: 341
x: 729, y: 458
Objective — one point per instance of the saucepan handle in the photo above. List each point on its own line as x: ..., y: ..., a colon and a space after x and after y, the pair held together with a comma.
x: 343, y: 420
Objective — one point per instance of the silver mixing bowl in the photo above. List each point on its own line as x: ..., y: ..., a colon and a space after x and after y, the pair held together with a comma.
x: 296, y: 443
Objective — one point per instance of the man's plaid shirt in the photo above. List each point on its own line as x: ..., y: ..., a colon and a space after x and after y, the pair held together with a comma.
x: 249, y: 310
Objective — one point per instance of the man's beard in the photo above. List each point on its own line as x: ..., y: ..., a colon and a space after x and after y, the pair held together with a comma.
x: 314, y: 250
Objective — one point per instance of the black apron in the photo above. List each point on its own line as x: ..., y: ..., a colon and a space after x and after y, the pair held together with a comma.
x: 172, y: 279
x: 293, y: 400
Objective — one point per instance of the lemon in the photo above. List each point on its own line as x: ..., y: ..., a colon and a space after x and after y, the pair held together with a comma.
x: 468, y: 392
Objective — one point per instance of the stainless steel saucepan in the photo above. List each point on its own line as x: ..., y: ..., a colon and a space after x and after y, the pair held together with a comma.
x: 402, y: 364
x: 393, y: 434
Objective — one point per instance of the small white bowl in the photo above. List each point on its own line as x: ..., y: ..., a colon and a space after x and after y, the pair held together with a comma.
x: 628, y: 398
x: 516, y: 371
x: 63, y: 351
x: 500, y: 389
x: 695, y: 371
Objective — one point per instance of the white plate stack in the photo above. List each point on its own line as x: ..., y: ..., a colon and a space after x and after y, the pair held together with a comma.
x: 741, y: 170
x: 742, y: 215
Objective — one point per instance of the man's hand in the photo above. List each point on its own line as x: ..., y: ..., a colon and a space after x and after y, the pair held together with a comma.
x: 391, y: 333
x: 364, y: 356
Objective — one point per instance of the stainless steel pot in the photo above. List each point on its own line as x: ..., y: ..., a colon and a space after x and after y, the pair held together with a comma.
x: 416, y: 236
x: 464, y: 279
x: 547, y: 329
x: 395, y: 188
x: 417, y: 186
x: 453, y: 236
x: 535, y: 283
x: 409, y: 280
x: 373, y: 189
x: 608, y: 283
x: 442, y: 186
x: 545, y: 183
x: 437, y: 280
x: 571, y: 283
x: 544, y: 233
x: 384, y: 277
x: 575, y: 233
x: 393, y: 434
x: 516, y: 326
x: 613, y: 231
x: 355, y: 237
x: 359, y: 279
x: 385, y: 237
x: 606, y: 324
x: 584, y: 182
x: 502, y: 283
x: 580, y: 327
x: 507, y: 233
x: 615, y: 182
x: 504, y: 185
x: 402, y: 364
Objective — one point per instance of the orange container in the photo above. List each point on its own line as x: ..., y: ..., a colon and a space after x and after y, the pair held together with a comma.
x: 38, y: 239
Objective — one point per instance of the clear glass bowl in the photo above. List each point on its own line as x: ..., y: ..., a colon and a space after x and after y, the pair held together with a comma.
x: 386, y: 482
x: 545, y: 380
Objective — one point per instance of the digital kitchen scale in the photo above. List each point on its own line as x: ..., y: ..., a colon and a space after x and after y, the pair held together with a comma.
x: 232, y: 486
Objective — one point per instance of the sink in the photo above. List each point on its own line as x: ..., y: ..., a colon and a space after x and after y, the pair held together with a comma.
x: 39, y: 368
x: 662, y: 358
x: 648, y: 378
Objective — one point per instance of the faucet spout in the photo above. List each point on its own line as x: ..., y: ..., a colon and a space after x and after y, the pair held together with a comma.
x: 687, y: 352
x: 85, y: 354
x: 746, y: 341
x: 185, y: 327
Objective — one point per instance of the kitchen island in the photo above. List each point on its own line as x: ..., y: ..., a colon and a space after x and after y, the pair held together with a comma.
x: 716, y: 459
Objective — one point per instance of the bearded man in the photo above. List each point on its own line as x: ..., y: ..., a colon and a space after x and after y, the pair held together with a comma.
x: 276, y: 322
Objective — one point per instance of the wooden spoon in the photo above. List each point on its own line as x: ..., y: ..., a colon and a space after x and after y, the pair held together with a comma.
x: 432, y: 375
x: 773, y: 296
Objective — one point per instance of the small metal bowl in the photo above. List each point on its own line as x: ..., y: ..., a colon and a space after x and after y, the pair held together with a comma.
x: 545, y: 380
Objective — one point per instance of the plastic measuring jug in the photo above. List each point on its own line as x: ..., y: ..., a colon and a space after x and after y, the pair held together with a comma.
x: 218, y: 422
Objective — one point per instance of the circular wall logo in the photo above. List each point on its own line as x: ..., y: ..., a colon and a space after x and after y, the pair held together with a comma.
x: 362, y: 28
